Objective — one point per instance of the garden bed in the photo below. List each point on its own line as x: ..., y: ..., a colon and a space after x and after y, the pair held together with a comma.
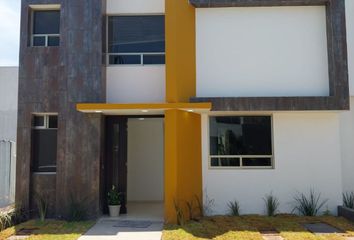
x: 289, y: 227
x: 47, y: 230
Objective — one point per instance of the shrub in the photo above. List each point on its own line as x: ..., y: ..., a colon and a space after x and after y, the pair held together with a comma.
x: 42, y: 205
x: 348, y: 200
x: 77, y: 209
x: 271, y: 204
x: 6, y: 219
x: 309, y: 205
x: 114, y: 197
x: 234, y: 208
x: 179, y: 214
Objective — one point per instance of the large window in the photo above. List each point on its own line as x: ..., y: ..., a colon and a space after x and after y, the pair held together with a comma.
x: 44, y: 143
x: 138, y: 40
x: 45, y: 28
x: 241, y: 142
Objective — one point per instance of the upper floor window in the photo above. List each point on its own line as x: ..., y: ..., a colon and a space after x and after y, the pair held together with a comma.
x: 45, y: 28
x: 136, y: 40
x: 44, y: 142
x: 241, y: 142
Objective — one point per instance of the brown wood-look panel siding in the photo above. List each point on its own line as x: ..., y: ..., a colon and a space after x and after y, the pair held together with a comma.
x: 338, y: 98
x: 55, y: 79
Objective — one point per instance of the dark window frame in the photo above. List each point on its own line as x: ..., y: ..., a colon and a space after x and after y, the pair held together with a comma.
x: 245, y: 156
x: 46, y: 126
x: 117, y: 59
x: 46, y: 39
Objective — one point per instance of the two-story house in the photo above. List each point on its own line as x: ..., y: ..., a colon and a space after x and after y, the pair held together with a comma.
x: 173, y: 100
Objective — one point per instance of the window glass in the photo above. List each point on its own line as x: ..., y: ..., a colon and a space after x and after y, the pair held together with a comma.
x: 38, y: 121
x: 53, y: 41
x: 38, y: 41
x: 154, y: 59
x: 44, y: 150
x: 136, y: 34
x: 44, y: 143
x: 53, y: 121
x: 125, y: 59
x: 240, y: 136
x: 225, y: 162
x: 244, y: 141
x: 46, y: 22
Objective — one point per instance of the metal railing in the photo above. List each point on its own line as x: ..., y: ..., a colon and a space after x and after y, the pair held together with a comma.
x: 140, y: 55
x: 241, y: 158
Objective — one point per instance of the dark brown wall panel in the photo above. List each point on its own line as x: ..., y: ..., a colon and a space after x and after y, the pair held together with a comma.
x: 55, y: 79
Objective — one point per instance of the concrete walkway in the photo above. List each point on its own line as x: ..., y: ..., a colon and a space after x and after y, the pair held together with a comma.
x: 115, y: 229
x: 144, y: 221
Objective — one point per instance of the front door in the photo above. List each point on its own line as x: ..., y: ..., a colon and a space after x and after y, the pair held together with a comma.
x: 115, y: 161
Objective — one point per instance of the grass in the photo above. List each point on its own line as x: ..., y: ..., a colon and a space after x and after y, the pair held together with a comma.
x: 50, y: 229
x: 249, y: 227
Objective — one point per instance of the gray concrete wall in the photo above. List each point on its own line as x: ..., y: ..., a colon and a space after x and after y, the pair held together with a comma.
x: 8, y: 102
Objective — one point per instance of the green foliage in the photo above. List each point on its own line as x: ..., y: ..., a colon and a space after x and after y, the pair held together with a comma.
x: 309, y: 205
x: 234, y: 208
x: 42, y: 205
x: 6, y: 219
x: 77, y: 209
x: 114, y: 197
x: 199, y: 205
x: 179, y: 214
x: 348, y: 200
x: 271, y: 204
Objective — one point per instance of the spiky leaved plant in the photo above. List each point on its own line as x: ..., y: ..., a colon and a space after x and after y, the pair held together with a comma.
x: 348, y: 200
x: 309, y: 205
x: 271, y: 204
x: 234, y: 208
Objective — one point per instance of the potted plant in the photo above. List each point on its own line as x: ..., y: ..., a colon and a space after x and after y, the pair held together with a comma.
x: 114, y: 202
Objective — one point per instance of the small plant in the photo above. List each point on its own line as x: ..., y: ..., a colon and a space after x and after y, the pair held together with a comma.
x: 42, y: 205
x: 6, y: 219
x: 114, y: 197
x: 179, y: 214
x: 271, y: 204
x: 327, y: 212
x: 77, y: 209
x: 348, y: 200
x: 208, y: 205
x: 234, y: 208
x: 309, y: 205
x: 199, y: 205
x: 190, y: 208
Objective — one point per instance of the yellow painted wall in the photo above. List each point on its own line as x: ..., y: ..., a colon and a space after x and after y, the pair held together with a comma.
x: 180, y: 51
x: 183, y: 166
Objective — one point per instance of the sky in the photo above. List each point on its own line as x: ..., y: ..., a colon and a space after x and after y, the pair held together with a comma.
x: 9, y: 32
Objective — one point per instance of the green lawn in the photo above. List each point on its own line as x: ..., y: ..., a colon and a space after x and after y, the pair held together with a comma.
x: 249, y: 227
x: 49, y: 230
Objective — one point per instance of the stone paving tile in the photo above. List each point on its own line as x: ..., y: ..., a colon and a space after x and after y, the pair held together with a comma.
x: 17, y: 237
x: 321, y: 228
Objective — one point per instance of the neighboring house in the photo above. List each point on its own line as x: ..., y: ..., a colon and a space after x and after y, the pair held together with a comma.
x: 173, y: 100
x: 8, y: 126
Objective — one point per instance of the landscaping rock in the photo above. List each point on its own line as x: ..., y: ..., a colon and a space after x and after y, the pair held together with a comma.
x: 321, y: 228
x: 346, y: 212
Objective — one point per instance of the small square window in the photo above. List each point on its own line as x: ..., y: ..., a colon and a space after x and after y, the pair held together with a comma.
x: 45, y: 28
x: 38, y: 121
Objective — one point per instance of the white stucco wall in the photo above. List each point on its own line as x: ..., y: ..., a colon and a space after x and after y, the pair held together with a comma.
x: 347, y: 147
x: 8, y: 102
x: 135, y: 6
x: 277, y: 51
x: 349, y: 6
x: 307, y: 155
x: 136, y: 84
x: 145, y: 159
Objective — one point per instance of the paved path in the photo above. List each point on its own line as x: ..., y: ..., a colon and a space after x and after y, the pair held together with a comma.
x: 122, y: 229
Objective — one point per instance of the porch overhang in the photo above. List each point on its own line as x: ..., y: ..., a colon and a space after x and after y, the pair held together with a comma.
x: 141, y: 108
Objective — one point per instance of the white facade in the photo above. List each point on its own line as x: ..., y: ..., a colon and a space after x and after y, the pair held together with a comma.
x: 8, y: 102
x: 145, y: 159
x: 306, y: 156
x: 269, y: 51
x: 135, y: 83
